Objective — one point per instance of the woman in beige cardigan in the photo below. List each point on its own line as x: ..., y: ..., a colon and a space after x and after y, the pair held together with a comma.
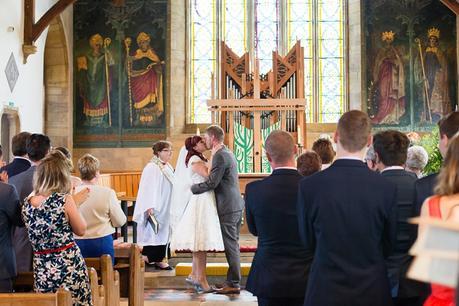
x: 101, y: 211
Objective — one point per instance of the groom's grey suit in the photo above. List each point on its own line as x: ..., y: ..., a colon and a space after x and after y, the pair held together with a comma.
x: 224, y: 180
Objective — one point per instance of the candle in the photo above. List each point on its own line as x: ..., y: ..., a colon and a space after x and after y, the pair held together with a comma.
x: 300, y: 136
x: 198, y: 132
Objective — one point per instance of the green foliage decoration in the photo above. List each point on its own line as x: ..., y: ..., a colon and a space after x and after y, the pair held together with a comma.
x: 430, y: 143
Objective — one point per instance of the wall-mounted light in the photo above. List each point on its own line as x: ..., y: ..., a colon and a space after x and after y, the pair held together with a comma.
x: 10, y: 29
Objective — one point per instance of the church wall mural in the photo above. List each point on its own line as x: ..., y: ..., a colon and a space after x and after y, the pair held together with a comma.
x: 119, y: 72
x: 411, y: 62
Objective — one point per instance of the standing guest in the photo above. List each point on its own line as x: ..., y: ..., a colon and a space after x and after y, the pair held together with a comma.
x: 153, y: 202
x: 441, y: 206
x: 370, y: 159
x: 37, y: 147
x: 3, y: 174
x: 308, y: 163
x: 10, y: 214
x: 101, y: 211
x: 51, y: 218
x: 448, y: 126
x: 346, y: 218
x: 324, y: 148
x: 391, y: 149
x: 271, y: 215
x: 20, y: 161
x: 416, y: 160
x: 76, y: 181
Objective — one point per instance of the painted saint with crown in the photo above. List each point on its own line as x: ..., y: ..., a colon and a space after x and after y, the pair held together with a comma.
x: 436, y: 73
x: 145, y: 83
x: 389, y: 80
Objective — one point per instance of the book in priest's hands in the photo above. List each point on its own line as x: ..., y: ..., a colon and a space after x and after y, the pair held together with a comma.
x: 152, y: 221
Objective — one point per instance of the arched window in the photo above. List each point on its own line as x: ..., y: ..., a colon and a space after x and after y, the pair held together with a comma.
x: 263, y: 26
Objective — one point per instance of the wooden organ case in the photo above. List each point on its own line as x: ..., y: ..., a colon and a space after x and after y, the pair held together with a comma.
x: 249, y: 105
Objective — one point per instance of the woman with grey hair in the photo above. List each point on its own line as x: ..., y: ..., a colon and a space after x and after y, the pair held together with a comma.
x: 416, y: 160
x: 370, y: 159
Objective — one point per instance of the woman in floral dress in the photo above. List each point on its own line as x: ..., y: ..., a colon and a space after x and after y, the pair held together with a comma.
x: 51, y: 217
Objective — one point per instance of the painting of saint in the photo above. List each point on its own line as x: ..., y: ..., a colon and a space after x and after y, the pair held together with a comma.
x: 94, y: 82
x: 436, y: 73
x: 389, y: 79
x: 145, y: 83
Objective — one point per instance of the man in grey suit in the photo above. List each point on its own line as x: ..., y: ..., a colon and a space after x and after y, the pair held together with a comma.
x: 224, y: 180
x: 10, y: 214
x: 37, y: 147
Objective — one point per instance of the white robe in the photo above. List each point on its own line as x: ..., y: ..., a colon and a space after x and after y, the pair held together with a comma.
x: 154, y: 192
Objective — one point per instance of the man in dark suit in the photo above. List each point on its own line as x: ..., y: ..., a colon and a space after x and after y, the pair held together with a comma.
x: 280, y: 268
x: 448, y: 127
x: 224, y: 180
x: 391, y: 148
x: 346, y: 217
x: 10, y: 214
x: 38, y: 146
x: 20, y: 162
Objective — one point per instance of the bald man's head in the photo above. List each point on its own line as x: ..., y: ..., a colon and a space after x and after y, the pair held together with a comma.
x: 280, y: 147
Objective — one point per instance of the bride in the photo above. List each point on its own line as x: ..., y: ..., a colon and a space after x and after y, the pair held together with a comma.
x: 195, y: 224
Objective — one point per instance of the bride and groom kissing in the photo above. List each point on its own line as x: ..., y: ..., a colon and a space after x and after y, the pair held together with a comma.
x: 206, y: 208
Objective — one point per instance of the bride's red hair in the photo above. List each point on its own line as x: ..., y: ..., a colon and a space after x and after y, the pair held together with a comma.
x: 190, y: 143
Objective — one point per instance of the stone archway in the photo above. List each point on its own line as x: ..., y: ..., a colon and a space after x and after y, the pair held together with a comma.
x: 57, y: 110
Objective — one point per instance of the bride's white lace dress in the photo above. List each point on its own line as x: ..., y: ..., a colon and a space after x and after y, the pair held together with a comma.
x: 199, y: 228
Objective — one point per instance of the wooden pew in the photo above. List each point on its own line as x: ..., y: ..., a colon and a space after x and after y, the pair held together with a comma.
x: 110, y: 278
x: 61, y: 298
x: 131, y: 258
x: 97, y: 291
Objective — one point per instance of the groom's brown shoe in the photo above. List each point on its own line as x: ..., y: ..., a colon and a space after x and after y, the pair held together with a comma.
x: 228, y: 290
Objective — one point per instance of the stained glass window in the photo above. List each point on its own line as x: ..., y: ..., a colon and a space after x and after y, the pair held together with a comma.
x: 267, y: 25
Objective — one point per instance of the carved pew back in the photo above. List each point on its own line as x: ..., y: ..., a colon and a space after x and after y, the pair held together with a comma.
x: 136, y: 266
x: 61, y: 298
x: 109, y: 277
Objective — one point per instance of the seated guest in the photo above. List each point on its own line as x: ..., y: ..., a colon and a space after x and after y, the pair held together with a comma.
x: 280, y: 268
x: 441, y: 206
x: 416, y: 160
x: 37, y: 146
x: 51, y: 218
x: 324, y: 148
x: 20, y: 161
x: 101, y: 211
x: 308, y: 163
x: 10, y: 214
x: 391, y: 149
x: 346, y: 218
x: 370, y: 159
x: 76, y: 181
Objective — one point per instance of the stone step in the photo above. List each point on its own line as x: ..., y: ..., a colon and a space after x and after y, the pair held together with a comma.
x: 212, y: 268
x: 169, y: 280
x: 188, y: 297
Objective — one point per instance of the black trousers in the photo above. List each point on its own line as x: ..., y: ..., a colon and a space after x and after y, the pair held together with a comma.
x: 415, y: 301
x: 6, y: 285
x: 280, y: 301
x: 156, y: 253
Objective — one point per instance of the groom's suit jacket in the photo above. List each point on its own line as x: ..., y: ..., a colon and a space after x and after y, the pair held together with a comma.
x: 224, y: 180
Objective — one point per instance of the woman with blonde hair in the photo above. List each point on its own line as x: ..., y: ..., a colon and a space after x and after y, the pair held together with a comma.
x: 444, y: 205
x: 51, y: 218
x: 101, y: 211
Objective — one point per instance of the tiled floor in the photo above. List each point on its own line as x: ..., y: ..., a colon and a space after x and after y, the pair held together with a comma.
x: 189, y: 295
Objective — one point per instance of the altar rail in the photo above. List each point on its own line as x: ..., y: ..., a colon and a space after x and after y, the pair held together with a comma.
x: 128, y: 182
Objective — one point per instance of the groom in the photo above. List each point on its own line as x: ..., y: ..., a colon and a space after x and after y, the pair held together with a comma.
x: 223, y: 179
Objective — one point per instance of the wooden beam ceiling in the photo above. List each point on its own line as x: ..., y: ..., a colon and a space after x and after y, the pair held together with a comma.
x: 33, y: 30
x: 452, y: 5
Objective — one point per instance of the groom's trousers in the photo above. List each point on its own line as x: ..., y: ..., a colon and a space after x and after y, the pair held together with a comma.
x: 230, y: 225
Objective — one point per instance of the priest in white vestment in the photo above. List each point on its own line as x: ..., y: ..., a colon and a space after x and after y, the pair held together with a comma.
x: 152, y: 206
